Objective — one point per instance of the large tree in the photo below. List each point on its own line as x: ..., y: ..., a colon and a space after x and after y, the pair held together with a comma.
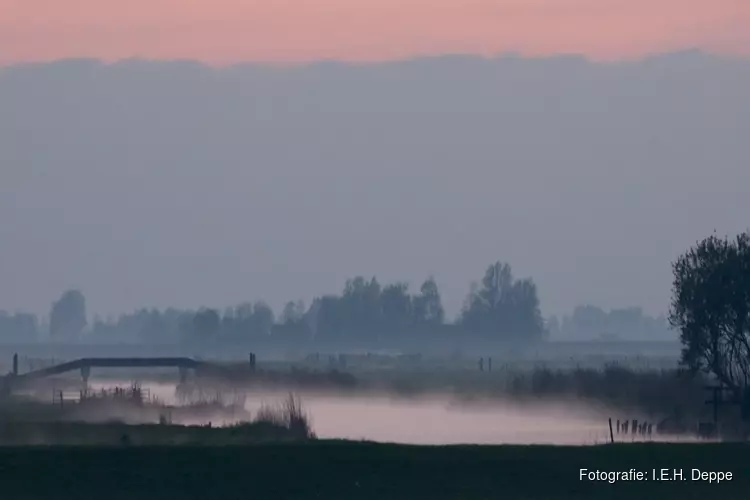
x: 503, y: 307
x: 711, y: 308
x: 206, y: 324
x: 263, y: 318
x: 68, y: 316
x: 360, y: 307
x: 293, y: 313
x: 428, y: 306
x: 396, y: 308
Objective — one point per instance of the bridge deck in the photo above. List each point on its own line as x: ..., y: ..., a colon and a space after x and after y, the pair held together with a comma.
x: 111, y: 363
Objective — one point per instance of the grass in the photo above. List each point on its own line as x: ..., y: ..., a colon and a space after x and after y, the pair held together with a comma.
x: 352, y: 470
x: 287, y: 415
x: 116, y: 433
x: 25, y: 422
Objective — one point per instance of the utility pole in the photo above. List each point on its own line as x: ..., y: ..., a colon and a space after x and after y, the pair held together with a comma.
x: 715, y: 400
x: 718, y: 399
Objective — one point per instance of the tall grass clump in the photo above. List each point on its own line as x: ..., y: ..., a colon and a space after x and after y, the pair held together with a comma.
x: 288, y: 414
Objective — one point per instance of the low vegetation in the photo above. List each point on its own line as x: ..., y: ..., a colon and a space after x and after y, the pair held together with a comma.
x: 287, y: 415
x: 58, y: 433
x: 356, y: 470
x: 124, y: 417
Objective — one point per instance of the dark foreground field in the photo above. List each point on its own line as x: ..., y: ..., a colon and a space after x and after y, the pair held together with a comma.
x: 348, y: 470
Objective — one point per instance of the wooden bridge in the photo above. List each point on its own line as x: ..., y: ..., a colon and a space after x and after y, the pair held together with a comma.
x: 86, y: 364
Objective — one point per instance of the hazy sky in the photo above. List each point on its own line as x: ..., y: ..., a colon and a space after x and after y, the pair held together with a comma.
x: 178, y: 184
x: 222, y: 31
x: 161, y: 184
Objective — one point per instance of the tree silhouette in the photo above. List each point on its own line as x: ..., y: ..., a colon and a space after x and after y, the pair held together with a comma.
x: 503, y: 307
x: 711, y: 308
x: 262, y: 319
x: 396, y: 304
x: 68, y: 316
x: 428, y: 306
x: 293, y: 313
x: 206, y: 323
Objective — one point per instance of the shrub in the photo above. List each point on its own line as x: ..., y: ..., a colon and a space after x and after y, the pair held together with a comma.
x: 288, y: 414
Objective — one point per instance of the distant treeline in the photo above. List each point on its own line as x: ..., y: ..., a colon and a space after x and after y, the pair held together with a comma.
x: 500, y: 307
x: 591, y: 322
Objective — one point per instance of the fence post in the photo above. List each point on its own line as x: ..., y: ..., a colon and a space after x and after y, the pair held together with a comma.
x: 611, y: 434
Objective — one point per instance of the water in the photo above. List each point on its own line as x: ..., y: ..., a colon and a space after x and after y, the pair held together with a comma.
x: 438, y: 421
x: 435, y: 420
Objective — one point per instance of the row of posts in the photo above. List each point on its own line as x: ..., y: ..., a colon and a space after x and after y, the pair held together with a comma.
x: 644, y: 428
x: 340, y: 361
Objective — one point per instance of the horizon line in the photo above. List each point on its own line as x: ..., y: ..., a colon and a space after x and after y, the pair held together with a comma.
x: 302, y: 63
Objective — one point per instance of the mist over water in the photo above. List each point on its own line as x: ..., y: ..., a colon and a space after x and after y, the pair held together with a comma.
x: 433, y: 420
x: 439, y: 421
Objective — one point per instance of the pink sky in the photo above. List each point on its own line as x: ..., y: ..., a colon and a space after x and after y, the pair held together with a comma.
x: 225, y: 31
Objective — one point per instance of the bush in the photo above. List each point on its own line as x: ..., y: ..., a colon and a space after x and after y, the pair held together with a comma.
x: 288, y: 414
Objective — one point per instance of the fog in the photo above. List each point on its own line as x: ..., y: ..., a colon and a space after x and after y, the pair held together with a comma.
x: 174, y: 184
x: 432, y: 419
x: 441, y: 421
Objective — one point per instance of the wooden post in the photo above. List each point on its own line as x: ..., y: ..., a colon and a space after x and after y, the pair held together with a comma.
x: 611, y: 434
x: 716, y: 401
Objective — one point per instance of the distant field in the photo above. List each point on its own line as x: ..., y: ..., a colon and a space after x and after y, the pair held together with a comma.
x: 351, y: 470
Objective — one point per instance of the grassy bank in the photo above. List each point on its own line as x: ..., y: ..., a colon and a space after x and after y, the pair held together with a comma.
x: 113, y: 434
x: 93, y: 422
x: 349, y: 470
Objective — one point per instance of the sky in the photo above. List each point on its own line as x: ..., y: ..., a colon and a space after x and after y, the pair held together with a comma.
x: 227, y: 31
x: 176, y: 184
